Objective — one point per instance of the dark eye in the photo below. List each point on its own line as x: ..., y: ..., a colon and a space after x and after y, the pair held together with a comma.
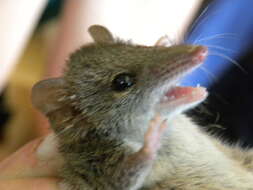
x: 123, y: 81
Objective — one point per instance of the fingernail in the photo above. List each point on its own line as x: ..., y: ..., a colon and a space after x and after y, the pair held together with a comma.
x: 48, y: 148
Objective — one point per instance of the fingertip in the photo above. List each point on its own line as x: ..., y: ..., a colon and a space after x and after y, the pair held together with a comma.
x: 33, y: 160
x: 47, y: 148
x: 31, y: 184
x: 24, y: 155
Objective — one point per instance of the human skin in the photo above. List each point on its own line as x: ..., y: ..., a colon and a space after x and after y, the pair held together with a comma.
x: 34, y: 166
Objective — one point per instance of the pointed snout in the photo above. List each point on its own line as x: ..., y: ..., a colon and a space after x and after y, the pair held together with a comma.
x: 198, y: 52
x: 179, y: 59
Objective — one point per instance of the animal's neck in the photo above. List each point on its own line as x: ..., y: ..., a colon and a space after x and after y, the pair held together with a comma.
x: 185, y: 148
x: 180, y: 130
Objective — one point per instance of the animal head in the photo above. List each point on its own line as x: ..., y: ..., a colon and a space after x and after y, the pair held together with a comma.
x: 113, y: 81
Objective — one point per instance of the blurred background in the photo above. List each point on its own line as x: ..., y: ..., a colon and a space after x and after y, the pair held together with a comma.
x: 36, y: 38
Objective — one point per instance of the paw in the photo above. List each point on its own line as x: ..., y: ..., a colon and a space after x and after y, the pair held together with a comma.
x: 152, y: 139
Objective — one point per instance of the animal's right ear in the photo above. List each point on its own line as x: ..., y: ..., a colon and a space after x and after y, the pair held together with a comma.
x: 46, y: 94
x: 100, y: 34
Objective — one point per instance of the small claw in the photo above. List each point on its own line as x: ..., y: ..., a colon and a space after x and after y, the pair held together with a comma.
x: 163, y: 126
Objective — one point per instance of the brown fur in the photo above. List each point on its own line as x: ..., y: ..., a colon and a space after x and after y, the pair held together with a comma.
x: 109, y: 139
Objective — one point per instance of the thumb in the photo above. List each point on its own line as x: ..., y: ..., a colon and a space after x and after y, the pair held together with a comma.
x: 39, y: 158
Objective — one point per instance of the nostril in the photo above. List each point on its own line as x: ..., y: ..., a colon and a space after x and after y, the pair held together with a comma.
x: 200, y: 53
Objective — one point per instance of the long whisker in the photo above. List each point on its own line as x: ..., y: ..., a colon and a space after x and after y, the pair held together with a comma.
x: 229, y: 59
x: 195, y: 23
x: 210, y: 75
x: 220, y: 48
x: 218, y: 36
x: 198, y: 22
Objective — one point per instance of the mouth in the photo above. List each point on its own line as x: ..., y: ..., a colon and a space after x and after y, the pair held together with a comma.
x: 179, y: 96
x: 185, y: 97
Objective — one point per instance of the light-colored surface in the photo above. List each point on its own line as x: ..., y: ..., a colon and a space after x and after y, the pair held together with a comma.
x: 144, y: 21
x: 25, y: 170
x: 17, y: 21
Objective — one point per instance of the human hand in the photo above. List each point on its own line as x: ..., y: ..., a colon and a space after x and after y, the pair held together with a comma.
x: 34, y: 166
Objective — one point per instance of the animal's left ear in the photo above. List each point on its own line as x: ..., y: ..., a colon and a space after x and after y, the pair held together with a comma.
x: 46, y: 94
x: 100, y: 34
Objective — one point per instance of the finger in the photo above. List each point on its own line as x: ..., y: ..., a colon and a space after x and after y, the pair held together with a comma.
x: 30, y: 184
x: 39, y: 158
